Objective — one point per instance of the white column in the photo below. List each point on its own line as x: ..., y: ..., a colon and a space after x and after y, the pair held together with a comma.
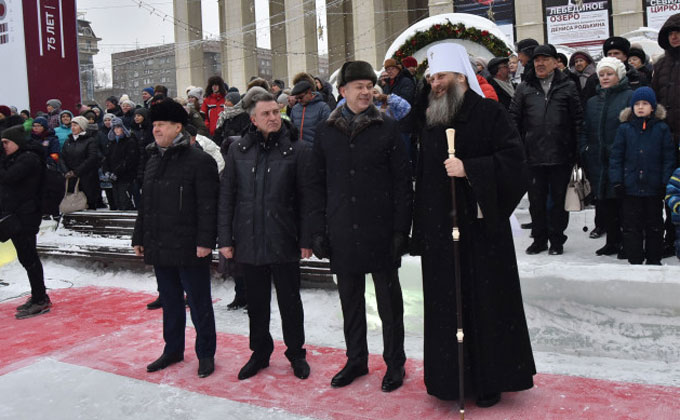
x: 239, y: 43
x: 627, y: 15
x: 188, y: 49
x: 529, y: 20
x: 301, y: 37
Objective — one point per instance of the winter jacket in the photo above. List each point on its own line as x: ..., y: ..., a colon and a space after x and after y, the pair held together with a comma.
x: 122, y: 158
x: 197, y: 121
x: 212, y: 105
x: 81, y: 156
x: 395, y: 107
x: 233, y: 121
x: 673, y: 196
x: 643, y: 156
x: 666, y: 80
x: 128, y: 119
x: 264, y: 198
x: 209, y: 147
x: 487, y: 89
x: 327, y: 93
x: 403, y: 85
x: 502, y: 96
x: 362, y: 189
x: 307, y: 118
x: 49, y: 144
x: 597, y: 138
x: 143, y: 134
x: 62, y: 131
x: 179, y: 205
x: 549, y: 125
x: 20, y: 185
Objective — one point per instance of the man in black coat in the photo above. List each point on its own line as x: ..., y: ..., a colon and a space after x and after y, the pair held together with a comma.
x: 21, y: 170
x: 547, y: 112
x: 264, y: 226
x: 175, y: 231
x: 500, y: 80
x: 489, y: 171
x: 362, y: 187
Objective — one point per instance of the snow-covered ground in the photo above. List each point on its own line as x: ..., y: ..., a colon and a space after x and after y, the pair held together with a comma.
x: 588, y: 316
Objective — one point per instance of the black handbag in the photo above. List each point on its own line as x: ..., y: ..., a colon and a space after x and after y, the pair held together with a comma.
x: 10, y: 226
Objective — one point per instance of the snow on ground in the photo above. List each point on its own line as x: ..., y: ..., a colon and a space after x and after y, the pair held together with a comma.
x: 588, y: 316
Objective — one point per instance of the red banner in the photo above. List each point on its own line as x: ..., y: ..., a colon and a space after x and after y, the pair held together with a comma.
x: 51, y: 35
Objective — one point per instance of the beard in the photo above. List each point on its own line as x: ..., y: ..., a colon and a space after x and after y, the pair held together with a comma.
x: 442, y: 110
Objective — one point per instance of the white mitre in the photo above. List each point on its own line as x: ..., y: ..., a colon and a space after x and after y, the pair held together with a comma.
x: 450, y: 57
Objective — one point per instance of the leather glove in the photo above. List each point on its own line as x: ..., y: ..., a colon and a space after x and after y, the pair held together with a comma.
x: 399, y: 246
x: 321, y: 247
x: 619, y: 191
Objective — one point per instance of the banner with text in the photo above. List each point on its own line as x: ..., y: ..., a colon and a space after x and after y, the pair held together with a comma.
x: 578, y: 24
x: 658, y: 11
x: 500, y: 12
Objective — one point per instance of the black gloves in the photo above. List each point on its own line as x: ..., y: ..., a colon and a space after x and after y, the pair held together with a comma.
x: 399, y: 246
x: 619, y: 191
x: 320, y: 247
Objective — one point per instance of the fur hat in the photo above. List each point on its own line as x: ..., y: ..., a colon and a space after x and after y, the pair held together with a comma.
x: 54, y: 103
x: 409, y: 62
x: 5, y: 110
x: 258, y: 81
x: 643, y: 93
x: 614, y: 64
x: 247, y: 100
x: 168, y: 110
x: 616, y: 43
x: 17, y: 134
x: 637, y: 52
x: 233, y: 97
x: 81, y: 121
x: 391, y: 62
x: 357, y: 70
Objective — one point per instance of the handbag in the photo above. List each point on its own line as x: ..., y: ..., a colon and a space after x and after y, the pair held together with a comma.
x: 10, y: 226
x: 72, y: 202
x: 577, y: 191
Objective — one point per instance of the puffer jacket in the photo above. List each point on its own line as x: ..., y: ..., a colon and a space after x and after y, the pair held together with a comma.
x: 20, y: 185
x: 403, y: 85
x: 643, y: 156
x: 550, y: 124
x: 179, y: 205
x: 666, y: 80
x: 673, y: 196
x: 212, y: 105
x: 308, y: 117
x: 63, y: 131
x: 597, y: 138
x: 264, y: 198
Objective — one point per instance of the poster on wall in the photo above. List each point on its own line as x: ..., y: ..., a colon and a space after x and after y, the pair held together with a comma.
x: 658, y: 11
x: 580, y: 24
x: 501, y: 12
x: 12, y: 48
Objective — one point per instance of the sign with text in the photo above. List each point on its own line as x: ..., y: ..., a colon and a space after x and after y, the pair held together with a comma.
x: 500, y: 12
x: 580, y: 24
x: 658, y: 11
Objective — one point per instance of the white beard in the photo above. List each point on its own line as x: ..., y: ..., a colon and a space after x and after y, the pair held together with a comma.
x: 442, y: 110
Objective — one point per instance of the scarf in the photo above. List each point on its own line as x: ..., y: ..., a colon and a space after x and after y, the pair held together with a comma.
x: 506, y: 86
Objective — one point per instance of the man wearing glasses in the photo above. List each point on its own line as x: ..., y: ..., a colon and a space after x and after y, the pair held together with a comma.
x: 309, y: 111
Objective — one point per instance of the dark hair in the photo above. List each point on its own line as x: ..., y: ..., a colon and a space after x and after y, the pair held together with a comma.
x: 562, y: 58
x: 215, y: 80
x: 27, y: 112
x: 260, y: 97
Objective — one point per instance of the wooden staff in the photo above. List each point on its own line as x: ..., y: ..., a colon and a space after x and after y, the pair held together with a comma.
x: 450, y: 139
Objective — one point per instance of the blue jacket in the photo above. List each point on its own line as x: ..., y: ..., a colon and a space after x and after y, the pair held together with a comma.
x: 306, y: 118
x: 643, y: 155
x: 673, y: 196
x: 396, y: 107
x: 63, y: 131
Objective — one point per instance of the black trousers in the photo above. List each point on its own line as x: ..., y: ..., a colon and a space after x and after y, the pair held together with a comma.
x: 548, y: 224
x: 195, y: 281
x: 642, y: 219
x: 352, y: 288
x: 600, y: 220
x: 286, y: 277
x: 25, y: 245
x: 121, y: 198
x: 612, y: 208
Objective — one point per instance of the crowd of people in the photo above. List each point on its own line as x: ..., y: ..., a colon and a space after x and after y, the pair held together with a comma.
x: 273, y: 175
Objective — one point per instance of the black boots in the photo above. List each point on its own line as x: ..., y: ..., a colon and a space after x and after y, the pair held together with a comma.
x: 349, y: 373
x: 156, y: 304
x: 164, y: 361
x: 206, y: 366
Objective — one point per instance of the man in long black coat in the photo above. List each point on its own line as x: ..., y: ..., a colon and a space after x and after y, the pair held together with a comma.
x: 363, y: 187
x: 489, y: 173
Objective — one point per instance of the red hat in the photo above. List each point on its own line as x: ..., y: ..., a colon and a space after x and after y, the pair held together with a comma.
x: 409, y: 62
x: 4, y: 110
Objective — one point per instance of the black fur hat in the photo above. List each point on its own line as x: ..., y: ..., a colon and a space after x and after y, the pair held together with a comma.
x: 356, y: 70
x: 168, y: 110
x: 616, y: 43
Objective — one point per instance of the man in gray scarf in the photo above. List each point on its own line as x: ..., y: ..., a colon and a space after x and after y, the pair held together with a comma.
x: 500, y: 80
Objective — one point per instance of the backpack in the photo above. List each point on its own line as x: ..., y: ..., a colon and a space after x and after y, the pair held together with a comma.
x: 53, y: 189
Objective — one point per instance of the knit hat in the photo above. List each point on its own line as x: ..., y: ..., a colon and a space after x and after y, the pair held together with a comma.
x: 148, y: 90
x: 614, y: 64
x: 4, y: 110
x: 390, y: 62
x: 282, y: 99
x: 168, y: 110
x: 233, y: 97
x: 81, y: 121
x: 643, y: 93
x: 13, y: 109
x: 17, y: 134
x: 616, y: 43
x: 90, y: 114
x: 54, y: 103
x: 128, y: 102
x: 409, y: 62
x: 196, y: 93
x: 108, y: 117
x: 117, y: 122
x: 580, y: 54
x: 637, y: 52
x: 142, y: 111
x: 357, y: 70
x: 42, y: 121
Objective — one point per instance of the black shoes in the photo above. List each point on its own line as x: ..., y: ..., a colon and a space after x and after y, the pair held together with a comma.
x: 609, y: 249
x: 164, y: 361
x: 488, y: 400
x: 556, y: 250
x: 206, y: 366
x: 156, y: 304
x: 598, y: 232
x: 251, y: 368
x: 393, y: 379
x: 348, y: 374
x: 237, y: 303
x: 536, y: 248
x: 33, y: 308
x: 300, y: 368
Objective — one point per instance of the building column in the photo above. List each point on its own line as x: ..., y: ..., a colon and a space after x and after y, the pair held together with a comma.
x: 301, y: 38
x: 369, y: 31
x: 529, y: 20
x: 188, y: 48
x: 627, y: 15
x: 396, y: 21
x: 417, y: 10
x: 339, y: 28
x: 437, y: 7
x: 278, y: 37
x: 239, y: 42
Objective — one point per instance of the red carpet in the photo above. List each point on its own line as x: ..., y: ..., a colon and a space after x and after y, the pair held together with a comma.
x: 111, y: 330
